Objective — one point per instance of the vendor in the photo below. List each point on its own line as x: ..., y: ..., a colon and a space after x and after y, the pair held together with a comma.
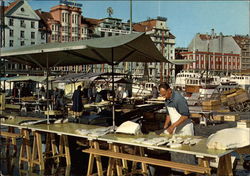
x: 177, y: 122
x: 177, y: 119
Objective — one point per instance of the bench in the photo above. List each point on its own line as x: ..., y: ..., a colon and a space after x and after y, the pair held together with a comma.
x: 187, y: 168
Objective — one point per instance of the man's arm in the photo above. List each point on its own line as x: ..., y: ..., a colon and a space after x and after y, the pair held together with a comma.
x: 171, y: 128
x: 167, y: 121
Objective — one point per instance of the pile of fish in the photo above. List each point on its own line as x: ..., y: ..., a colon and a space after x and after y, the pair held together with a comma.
x: 172, y: 142
x: 96, y: 132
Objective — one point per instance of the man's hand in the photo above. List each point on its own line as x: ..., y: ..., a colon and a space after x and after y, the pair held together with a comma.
x: 170, y: 129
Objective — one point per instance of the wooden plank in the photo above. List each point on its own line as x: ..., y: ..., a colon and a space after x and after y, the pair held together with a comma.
x: 10, y: 135
x: 12, y: 106
x: 225, y: 166
x: 146, y: 160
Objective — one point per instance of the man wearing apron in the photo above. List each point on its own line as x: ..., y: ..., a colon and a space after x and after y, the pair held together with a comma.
x: 177, y: 120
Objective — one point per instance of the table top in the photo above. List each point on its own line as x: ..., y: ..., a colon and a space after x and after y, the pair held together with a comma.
x: 199, y: 149
x: 69, y: 129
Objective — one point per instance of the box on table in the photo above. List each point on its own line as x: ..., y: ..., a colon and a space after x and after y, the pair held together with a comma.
x: 211, y: 108
x: 223, y: 110
x: 243, y: 124
x: 195, y: 115
x: 232, y: 118
x: 211, y: 103
x: 218, y: 117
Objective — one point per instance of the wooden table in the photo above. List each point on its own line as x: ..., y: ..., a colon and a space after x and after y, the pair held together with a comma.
x: 36, y: 156
x: 69, y: 129
x: 200, y: 150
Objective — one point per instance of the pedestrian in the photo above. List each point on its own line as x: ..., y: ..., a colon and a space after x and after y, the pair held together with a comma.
x: 77, y: 101
x: 155, y: 92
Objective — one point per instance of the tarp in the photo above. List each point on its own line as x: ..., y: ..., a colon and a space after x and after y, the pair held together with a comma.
x: 83, y: 76
x: 136, y: 47
x: 28, y: 78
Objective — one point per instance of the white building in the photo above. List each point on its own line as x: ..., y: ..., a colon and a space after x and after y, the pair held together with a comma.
x: 22, y: 25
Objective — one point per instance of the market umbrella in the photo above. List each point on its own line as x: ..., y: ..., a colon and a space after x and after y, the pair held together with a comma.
x: 136, y: 47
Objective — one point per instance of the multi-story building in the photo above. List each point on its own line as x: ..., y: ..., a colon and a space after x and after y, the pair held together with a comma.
x: 218, y: 53
x: 111, y: 26
x: 69, y: 18
x: 21, y: 29
x: 165, y: 42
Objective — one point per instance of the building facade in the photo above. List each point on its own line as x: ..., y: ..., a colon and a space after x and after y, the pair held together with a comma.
x: 221, y: 55
x: 21, y: 29
x: 165, y: 42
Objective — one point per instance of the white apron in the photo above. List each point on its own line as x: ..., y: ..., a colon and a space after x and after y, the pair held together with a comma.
x: 188, y: 129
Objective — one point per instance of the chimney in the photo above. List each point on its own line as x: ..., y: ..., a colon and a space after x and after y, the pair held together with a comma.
x: 221, y: 42
x: 212, y: 33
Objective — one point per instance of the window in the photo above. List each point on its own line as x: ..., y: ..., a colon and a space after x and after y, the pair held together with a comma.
x: 32, y: 35
x: 22, y: 43
x: 63, y: 17
x: 11, y: 33
x: 22, y: 34
x: 11, y: 43
x: 109, y: 34
x: 11, y: 22
x: 32, y: 43
x: 42, y: 35
x: 22, y: 24
x: 102, y: 34
x: 32, y: 24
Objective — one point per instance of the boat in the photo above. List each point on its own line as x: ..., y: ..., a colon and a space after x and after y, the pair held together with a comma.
x: 191, y: 82
x: 242, y: 80
x: 143, y: 89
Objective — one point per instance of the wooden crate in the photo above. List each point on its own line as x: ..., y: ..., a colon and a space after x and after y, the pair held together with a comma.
x: 211, y: 108
x: 223, y: 99
x: 211, y: 103
x: 231, y: 100
x: 232, y: 118
x: 243, y: 124
x: 195, y: 115
x: 242, y: 97
x: 53, y: 112
x: 223, y: 110
x: 218, y: 117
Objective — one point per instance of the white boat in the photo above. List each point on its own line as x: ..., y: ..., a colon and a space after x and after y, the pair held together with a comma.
x: 191, y: 82
x: 242, y: 80
x: 143, y: 88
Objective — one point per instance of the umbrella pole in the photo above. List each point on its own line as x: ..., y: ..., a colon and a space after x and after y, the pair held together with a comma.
x: 47, y: 87
x: 113, y: 91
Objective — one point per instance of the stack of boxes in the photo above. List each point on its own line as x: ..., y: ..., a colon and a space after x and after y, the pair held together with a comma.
x: 211, y: 105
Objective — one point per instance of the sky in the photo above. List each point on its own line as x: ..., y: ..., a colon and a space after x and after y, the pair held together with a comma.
x: 184, y: 18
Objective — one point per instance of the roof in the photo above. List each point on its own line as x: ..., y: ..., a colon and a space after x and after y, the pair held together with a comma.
x: 206, y: 36
x: 45, y: 17
x: 11, y: 5
x: 241, y: 40
x: 142, y: 28
x: 124, y: 48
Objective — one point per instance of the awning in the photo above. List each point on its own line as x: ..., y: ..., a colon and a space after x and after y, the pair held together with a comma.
x: 181, y: 61
x: 28, y: 78
x: 136, y: 47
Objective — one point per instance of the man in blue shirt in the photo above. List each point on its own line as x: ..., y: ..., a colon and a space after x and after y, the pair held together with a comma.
x: 177, y: 119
